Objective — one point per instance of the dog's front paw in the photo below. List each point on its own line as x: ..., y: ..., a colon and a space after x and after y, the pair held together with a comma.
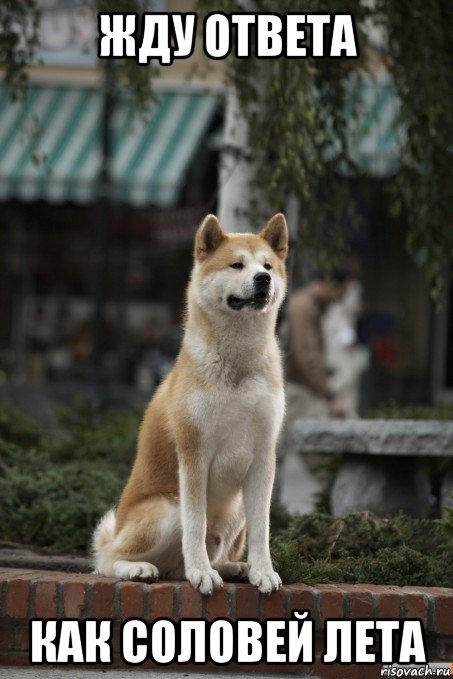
x: 204, y: 580
x: 267, y: 580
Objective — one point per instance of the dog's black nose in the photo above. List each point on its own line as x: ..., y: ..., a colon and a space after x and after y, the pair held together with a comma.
x: 262, y: 279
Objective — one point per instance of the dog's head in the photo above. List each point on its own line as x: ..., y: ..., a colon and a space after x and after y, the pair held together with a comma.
x: 240, y: 273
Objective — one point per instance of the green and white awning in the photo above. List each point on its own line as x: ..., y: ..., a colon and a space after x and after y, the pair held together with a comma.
x: 50, y: 145
x: 374, y: 134
x: 50, y: 142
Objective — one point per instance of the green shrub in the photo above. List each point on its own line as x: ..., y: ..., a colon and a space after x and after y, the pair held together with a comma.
x: 361, y: 547
x: 391, y: 410
x: 90, y: 432
x: 53, y: 490
x: 54, y: 506
x: 16, y: 427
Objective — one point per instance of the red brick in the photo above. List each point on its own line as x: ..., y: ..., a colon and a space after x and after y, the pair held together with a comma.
x: 389, y: 605
x: 394, y: 588
x: 132, y: 600
x: 85, y: 578
x: 361, y: 605
x: 14, y: 659
x: 302, y: 598
x: 255, y: 671
x: 415, y: 606
x: 320, y: 645
x: 331, y: 602
x: 8, y: 572
x: 360, y: 601
x: 189, y: 601
x: 218, y: 605
x: 435, y: 591
x: 46, y: 599
x: 17, y: 596
x: 7, y: 637
x: 444, y: 615
x: 104, y: 598
x: 247, y: 601
x: 337, y: 671
x: 51, y: 576
x: 161, y: 600
x: 444, y: 648
x: 74, y: 599
x: 388, y: 600
x: 116, y: 638
x: 273, y: 605
x: 22, y: 638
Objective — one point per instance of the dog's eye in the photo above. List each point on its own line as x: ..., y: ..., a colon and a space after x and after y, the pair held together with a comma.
x: 237, y: 265
x: 268, y: 267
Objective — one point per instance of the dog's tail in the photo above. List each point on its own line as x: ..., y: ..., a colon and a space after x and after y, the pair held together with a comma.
x: 103, y: 537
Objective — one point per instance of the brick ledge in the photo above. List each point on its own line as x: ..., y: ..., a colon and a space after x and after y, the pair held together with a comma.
x: 25, y: 594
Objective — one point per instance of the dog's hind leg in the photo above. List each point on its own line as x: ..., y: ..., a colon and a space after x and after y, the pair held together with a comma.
x: 231, y: 546
x: 238, y: 545
x: 232, y: 568
x: 135, y: 570
x: 146, y: 542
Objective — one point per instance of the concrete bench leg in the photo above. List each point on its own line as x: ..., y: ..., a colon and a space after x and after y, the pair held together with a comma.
x: 446, y: 491
x: 384, y: 485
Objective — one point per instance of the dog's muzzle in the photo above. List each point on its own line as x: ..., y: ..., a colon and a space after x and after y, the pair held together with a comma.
x: 260, y: 298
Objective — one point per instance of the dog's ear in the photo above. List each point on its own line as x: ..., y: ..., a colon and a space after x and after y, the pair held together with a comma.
x: 276, y: 234
x: 208, y: 238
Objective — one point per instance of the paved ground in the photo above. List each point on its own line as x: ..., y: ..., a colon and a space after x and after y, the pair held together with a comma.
x: 77, y: 673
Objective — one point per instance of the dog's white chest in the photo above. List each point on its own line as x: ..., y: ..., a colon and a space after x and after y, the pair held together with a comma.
x: 227, y: 413
x: 235, y: 424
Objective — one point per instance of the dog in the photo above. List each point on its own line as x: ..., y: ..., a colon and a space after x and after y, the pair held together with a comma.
x: 205, y: 463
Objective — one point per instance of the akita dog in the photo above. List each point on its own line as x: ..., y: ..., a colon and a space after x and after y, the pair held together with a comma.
x: 205, y: 462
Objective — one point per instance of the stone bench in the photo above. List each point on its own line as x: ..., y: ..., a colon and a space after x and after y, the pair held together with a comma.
x: 380, y: 470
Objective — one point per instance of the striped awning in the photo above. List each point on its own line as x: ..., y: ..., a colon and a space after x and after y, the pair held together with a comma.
x: 50, y: 145
x: 375, y: 136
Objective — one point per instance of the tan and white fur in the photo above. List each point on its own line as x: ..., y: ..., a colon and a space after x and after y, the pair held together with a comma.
x: 205, y: 462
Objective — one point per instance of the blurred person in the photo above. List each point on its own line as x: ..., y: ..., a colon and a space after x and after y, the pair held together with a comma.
x: 309, y: 391
x: 346, y: 359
